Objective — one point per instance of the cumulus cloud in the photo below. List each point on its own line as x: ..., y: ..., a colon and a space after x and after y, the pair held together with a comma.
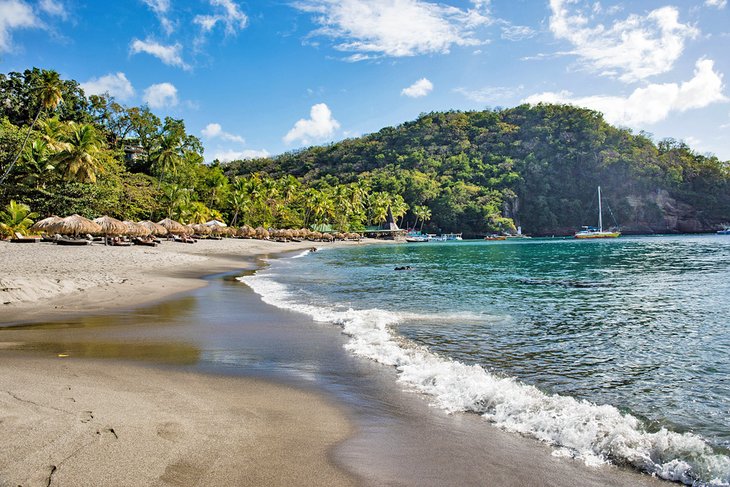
x: 228, y: 14
x: 652, y: 103
x: 54, y: 8
x: 318, y: 127
x: 117, y: 85
x: 170, y: 55
x: 420, y: 88
x: 631, y: 49
x: 215, y: 131
x: 15, y: 14
x: 161, y: 95
x: 395, y: 28
x: 234, y: 155
x: 716, y: 3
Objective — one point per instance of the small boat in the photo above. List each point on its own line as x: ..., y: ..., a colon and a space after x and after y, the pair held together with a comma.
x: 599, y: 232
x: 495, y: 237
x: 725, y: 231
x: 417, y: 237
x: 452, y: 236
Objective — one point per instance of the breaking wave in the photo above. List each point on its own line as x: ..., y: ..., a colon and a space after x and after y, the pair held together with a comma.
x: 593, y: 433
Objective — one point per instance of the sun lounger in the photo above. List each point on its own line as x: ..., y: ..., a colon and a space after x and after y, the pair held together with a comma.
x: 25, y: 238
x: 72, y: 241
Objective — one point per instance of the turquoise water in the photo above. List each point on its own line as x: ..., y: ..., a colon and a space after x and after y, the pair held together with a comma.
x: 614, y: 350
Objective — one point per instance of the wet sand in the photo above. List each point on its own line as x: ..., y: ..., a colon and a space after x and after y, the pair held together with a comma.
x: 84, y: 423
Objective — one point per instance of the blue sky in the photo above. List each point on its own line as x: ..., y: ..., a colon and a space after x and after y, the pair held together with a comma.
x: 263, y: 77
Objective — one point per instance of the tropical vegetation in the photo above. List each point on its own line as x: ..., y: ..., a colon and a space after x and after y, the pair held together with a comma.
x: 62, y: 152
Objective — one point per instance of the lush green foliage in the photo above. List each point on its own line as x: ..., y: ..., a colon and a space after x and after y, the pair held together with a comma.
x: 474, y: 172
x: 534, y: 166
x: 17, y: 217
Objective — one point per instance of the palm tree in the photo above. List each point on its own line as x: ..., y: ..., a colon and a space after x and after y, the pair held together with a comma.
x: 37, y: 158
x: 50, y: 94
x: 17, y: 217
x: 422, y: 212
x: 167, y: 156
x: 240, y: 204
x: 80, y: 160
x: 53, y: 132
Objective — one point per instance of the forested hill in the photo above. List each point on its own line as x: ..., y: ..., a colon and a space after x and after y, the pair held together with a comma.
x: 537, y: 165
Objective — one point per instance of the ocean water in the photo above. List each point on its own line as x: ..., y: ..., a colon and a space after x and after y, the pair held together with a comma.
x: 611, y: 351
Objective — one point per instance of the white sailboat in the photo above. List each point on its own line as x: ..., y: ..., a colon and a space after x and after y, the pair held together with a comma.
x: 593, y: 232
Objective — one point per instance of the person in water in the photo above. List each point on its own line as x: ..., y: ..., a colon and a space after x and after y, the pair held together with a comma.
x: 403, y: 268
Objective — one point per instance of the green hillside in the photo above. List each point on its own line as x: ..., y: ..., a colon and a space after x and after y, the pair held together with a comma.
x: 537, y: 165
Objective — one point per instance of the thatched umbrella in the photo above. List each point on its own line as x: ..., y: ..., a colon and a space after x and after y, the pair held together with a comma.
x: 329, y: 237
x: 201, y: 229
x: 42, y: 225
x: 111, y: 226
x: 261, y: 232
x: 74, y: 225
x: 173, y: 227
x: 154, y: 228
x: 136, y: 230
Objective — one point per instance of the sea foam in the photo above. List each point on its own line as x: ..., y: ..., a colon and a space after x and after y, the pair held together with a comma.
x: 593, y: 433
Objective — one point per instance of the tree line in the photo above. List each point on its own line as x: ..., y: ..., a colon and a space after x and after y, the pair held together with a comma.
x: 62, y: 152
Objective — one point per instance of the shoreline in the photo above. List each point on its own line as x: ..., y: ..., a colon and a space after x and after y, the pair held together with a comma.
x: 46, y: 282
x: 358, y: 450
x: 152, y: 430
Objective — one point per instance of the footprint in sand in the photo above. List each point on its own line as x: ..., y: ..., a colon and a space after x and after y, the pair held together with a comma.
x: 86, y: 416
x: 170, y: 431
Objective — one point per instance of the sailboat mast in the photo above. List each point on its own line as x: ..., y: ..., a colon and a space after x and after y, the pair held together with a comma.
x: 600, y: 211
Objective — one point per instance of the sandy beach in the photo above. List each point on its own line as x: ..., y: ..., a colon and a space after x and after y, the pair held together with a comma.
x: 66, y: 422
x: 139, y: 417
x: 43, y: 281
x: 85, y: 423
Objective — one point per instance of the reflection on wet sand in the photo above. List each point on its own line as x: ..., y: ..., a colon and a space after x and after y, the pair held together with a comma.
x: 107, y: 336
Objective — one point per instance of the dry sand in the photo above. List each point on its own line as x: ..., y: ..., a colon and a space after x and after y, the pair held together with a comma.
x: 68, y: 422
x: 42, y: 281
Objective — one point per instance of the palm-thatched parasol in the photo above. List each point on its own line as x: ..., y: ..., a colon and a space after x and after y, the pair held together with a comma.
x: 173, y: 227
x: 201, y: 229
x: 42, y: 225
x: 136, y: 229
x: 261, y: 233
x: 111, y: 226
x: 155, y: 228
x: 74, y: 225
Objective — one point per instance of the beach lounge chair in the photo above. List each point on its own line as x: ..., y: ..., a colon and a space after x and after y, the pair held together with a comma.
x: 19, y: 238
x: 72, y: 241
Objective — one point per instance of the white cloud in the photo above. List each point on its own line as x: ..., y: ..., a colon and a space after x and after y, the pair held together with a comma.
x: 420, y: 88
x: 631, y: 49
x: 215, y: 131
x: 319, y: 127
x: 170, y: 55
x: 498, y: 95
x: 161, y: 95
x: 395, y: 28
x: 117, y: 85
x: 720, y: 4
x: 652, y: 103
x: 53, y: 7
x: 161, y: 8
x: 14, y: 14
x: 228, y: 14
x: 234, y: 155
x: 517, y: 32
